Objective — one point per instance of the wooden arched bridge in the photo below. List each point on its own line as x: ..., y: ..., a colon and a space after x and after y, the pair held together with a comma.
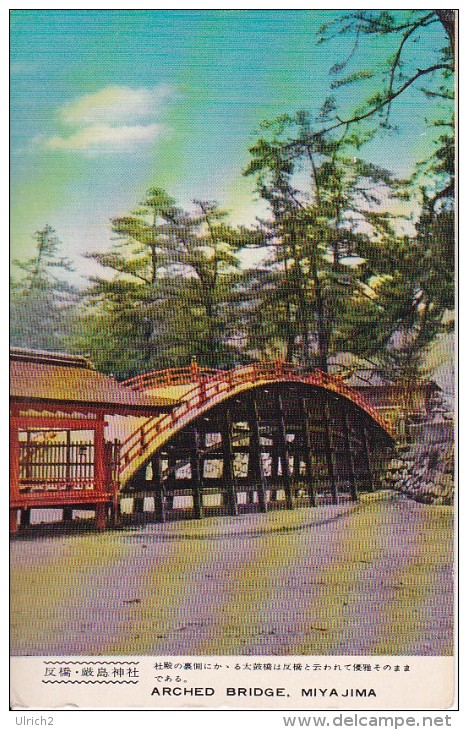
x: 262, y: 434
x: 194, y: 441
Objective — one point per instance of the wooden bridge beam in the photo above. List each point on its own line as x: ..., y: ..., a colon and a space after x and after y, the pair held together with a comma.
x: 368, y: 456
x: 284, y: 452
x: 298, y: 452
x: 255, y: 455
x: 170, y: 481
x: 274, y: 476
x: 25, y: 517
x: 328, y: 449
x: 228, y: 462
x: 67, y: 514
x: 196, y: 468
x: 157, y: 487
x: 308, y: 452
x: 349, y: 454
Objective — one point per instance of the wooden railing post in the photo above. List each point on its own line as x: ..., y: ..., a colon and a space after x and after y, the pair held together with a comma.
x: 194, y: 369
x: 99, y: 454
x: 142, y: 440
x: 279, y: 367
x: 25, y: 518
x: 202, y: 387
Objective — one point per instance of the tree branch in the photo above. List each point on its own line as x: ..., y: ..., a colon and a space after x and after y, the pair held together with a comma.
x: 377, y: 107
x: 396, y: 61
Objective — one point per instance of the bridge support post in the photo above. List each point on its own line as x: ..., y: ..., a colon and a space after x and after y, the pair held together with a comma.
x: 368, y: 457
x: 14, y: 469
x: 255, y: 455
x: 196, y: 468
x: 284, y: 453
x: 274, y: 469
x: 25, y: 517
x: 228, y: 467
x: 67, y: 514
x: 297, y: 459
x: 349, y: 456
x: 171, y: 477
x: 158, y: 489
x: 138, y: 505
x: 101, y: 516
x: 13, y: 520
x: 328, y: 450
x: 101, y: 509
x: 308, y: 452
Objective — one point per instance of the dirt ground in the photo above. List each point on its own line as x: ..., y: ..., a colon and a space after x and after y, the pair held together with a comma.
x: 371, y: 579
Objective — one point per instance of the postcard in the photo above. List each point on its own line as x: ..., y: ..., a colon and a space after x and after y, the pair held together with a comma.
x: 232, y: 448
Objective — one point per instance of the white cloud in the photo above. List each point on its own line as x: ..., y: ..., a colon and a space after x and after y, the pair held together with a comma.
x: 117, y: 105
x: 115, y: 119
x: 100, y: 138
x: 23, y: 67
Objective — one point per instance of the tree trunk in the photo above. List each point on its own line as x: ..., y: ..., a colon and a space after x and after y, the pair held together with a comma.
x: 447, y: 18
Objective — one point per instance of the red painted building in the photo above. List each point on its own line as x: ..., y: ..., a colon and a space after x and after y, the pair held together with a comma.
x: 59, y: 457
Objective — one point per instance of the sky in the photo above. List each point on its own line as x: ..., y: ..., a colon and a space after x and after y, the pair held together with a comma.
x: 107, y: 103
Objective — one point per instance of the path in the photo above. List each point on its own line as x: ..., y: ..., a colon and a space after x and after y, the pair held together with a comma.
x: 372, y: 579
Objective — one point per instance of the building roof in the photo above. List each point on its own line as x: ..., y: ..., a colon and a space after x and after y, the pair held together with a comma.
x: 46, y: 378
x: 361, y: 373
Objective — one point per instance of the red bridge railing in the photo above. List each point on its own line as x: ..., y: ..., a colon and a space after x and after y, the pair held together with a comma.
x: 170, y: 376
x: 212, y: 387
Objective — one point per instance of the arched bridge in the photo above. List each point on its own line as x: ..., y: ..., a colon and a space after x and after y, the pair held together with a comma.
x: 262, y: 429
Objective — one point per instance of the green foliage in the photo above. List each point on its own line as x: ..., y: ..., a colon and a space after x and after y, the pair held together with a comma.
x: 401, y: 308
x: 352, y: 78
x: 41, y: 302
x: 169, y: 295
x: 314, y: 228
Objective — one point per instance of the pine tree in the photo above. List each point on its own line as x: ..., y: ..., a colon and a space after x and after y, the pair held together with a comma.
x: 322, y: 200
x: 168, y: 297
x: 42, y: 303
